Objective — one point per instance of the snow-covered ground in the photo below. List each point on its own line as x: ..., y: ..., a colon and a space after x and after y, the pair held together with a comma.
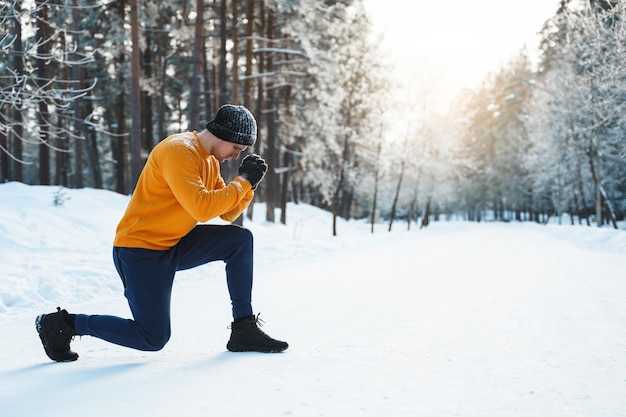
x: 458, y: 319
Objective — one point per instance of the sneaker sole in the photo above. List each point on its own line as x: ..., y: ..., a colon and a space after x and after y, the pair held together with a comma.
x: 260, y: 349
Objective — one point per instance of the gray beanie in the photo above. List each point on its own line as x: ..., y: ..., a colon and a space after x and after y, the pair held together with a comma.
x: 234, y: 124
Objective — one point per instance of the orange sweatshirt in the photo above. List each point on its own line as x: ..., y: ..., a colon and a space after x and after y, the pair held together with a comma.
x: 180, y: 186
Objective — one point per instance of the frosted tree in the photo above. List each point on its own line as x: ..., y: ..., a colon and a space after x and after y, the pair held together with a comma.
x: 336, y: 110
x: 554, y: 161
x: 513, y: 85
x: 589, y: 63
x: 39, y: 84
x: 494, y: 142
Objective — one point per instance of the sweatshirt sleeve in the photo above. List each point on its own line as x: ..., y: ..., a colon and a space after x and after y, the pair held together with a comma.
x: 245, y: 202
x: 188, y: 174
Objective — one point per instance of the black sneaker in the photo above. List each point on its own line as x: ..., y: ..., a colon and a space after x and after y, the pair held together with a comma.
x: 246, y: 336
x: 56, y: 334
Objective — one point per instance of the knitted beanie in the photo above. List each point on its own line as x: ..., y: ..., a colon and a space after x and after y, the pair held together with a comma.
x: 234, y: 124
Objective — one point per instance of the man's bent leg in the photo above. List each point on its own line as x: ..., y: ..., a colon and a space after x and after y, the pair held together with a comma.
x: 231, y: 244
x: 147, y: 276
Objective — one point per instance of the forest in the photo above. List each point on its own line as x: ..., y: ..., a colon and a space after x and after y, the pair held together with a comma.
x: 87, y: 88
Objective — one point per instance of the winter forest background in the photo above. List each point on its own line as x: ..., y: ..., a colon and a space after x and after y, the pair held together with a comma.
x: 87, y: 88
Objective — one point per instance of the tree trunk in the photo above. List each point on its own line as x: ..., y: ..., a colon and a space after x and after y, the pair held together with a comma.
x: 581, y: 190
x: 284, y: 188
x: 610, y: 212
x: 247, y: 87
x: 78, y: 77
x: 209, y: 87
x: 93, y: 153
x: 426, y: 218
x: 260, y: 85
x: 118, y: 142
x: 411, y: 213
x: 147, y: 112
x: 4, y: 150
x: 595, y: 168
x: 376, y: 181
x: 215, y: 77
x: 345, y: 208
x: 197, y: 68
x: 229, y: 168
x: 234, y: 36
x: 43, y: 50
x: 413, y: 210
x: 62, y: 155
x: 78, y: 148
x: 270, y: 181
x: 135, y: 96
x: 394, y: 205
x: 335, y: 203
x: 160, y: 100
x: 18, y: 130
x: 221, y: 77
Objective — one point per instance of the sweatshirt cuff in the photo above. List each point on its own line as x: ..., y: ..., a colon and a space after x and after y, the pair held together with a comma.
x: 243, y: 183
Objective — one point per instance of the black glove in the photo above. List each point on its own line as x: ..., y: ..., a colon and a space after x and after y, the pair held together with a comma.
x: 253, y: 168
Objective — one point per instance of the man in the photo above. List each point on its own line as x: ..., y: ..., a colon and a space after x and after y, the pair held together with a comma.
x: 159, y: 234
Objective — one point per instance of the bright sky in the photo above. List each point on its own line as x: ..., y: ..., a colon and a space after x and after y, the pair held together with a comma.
x: 453, y: 44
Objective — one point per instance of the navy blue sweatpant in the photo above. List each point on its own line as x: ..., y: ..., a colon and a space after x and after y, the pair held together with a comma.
x: 148, y: 276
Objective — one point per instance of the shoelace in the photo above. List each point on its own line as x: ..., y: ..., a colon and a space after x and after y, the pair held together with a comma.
x: 257, y: 320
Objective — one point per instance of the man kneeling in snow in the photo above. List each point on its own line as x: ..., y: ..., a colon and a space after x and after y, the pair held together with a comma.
x: 159, y: 234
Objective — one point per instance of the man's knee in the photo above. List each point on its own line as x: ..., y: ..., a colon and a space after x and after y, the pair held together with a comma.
x: 155, y: 343
x: 241, y: 233
x: 239, y: 238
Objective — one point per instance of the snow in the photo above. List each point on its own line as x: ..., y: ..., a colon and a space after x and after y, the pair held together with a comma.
x: 458, y: 319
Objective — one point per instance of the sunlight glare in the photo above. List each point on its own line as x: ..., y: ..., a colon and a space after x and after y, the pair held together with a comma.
x: 455, y: 44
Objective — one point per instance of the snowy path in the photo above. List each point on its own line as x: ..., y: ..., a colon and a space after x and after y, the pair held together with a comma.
x: 459, y: 320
